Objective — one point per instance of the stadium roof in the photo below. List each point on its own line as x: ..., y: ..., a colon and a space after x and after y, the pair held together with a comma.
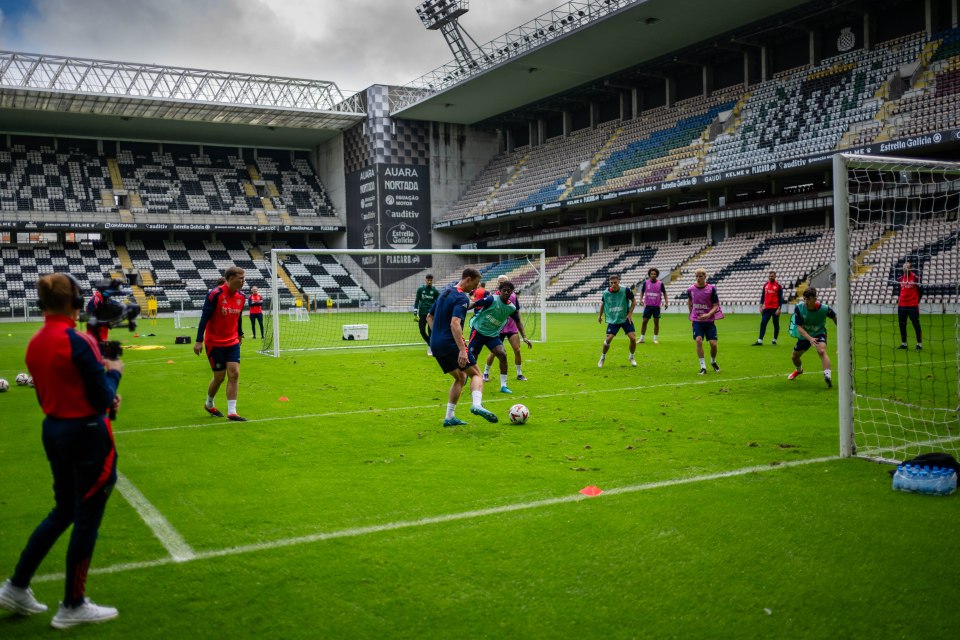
x: 74, y: 96
x: 624, y: 34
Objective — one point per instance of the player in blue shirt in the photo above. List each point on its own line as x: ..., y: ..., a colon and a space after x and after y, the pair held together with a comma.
x: 450, y: 349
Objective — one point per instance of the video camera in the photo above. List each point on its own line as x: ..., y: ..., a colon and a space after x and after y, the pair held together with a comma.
x: 115, y: 311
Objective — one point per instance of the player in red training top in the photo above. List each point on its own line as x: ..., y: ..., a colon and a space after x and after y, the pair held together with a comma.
x: 221, y: 330
x: 479, y: 294
x: 771, y: 300
x: 908, y: 305
x: 256, y: 312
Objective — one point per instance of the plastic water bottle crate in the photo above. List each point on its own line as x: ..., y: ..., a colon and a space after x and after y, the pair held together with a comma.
x: 931, y: 481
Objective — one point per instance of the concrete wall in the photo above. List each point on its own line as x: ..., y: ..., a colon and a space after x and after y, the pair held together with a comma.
x: 328, y: 161
x: 457, y: 156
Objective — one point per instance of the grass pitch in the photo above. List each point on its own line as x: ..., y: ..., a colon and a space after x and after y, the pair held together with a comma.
x: 348, y: 511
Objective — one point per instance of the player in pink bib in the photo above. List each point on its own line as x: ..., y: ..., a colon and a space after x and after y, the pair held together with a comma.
x: 654, y: 296
x: 704, y: 308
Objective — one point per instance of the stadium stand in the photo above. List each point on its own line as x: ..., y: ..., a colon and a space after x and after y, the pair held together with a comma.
x: 179, y: 180
x: 807, y: 111
x: 24, y: 264
x: 322, y: 277
x: 586, y: 278
x: 43, y: 179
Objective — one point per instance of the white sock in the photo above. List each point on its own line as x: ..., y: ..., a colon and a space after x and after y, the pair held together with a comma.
x: 486, y: 370
x: 477, y: 398
x: 602, y: 355
x: 231, y: 406
x: 826, y: 372
x: 520, y: 369
x: 503, y: 379
x: 631, y: 356
x: 703, y: 363
x: 713, y: 359
x: 209, y: 401
x: 451, y: 409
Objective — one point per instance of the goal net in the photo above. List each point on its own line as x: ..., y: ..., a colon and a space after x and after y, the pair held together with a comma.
x: 343, y: 298
x: 899, y: 357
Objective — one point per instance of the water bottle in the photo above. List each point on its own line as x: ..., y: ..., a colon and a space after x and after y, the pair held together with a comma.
x: 898, y: 479
x: 909, y: 478
x: 950, y: 483
x: 924, y: 484
x: 936, y: 481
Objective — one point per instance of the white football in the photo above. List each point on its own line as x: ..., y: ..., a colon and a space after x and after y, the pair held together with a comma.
x: 22, y: 379
x: 4, y: 385
x: 519, y: 414
x: 29, y: 381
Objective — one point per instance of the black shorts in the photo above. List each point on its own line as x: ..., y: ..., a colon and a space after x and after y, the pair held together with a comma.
x: 651, y: 312
x: 220, y: 356
x: 614, y: 328
x: 450, y: 361
x: 506, y: 335
x: 803, y: 345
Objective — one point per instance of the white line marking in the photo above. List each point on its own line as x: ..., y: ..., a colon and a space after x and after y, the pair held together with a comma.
x: 487, y: 400
x: 450, y: 517
x: 169, y: 537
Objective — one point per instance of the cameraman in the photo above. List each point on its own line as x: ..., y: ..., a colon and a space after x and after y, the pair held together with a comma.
x: 76, y: 388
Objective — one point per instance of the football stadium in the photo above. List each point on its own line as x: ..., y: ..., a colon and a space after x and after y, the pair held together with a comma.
x: 689, y: 270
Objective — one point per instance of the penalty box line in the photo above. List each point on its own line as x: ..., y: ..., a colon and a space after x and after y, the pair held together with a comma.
x: 355, y: 532
x: 168, y: 536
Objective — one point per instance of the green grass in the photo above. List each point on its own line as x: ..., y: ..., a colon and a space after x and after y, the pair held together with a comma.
x: 817, y: 550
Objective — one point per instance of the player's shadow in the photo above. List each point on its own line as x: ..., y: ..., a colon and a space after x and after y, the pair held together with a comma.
x: 12, y: 622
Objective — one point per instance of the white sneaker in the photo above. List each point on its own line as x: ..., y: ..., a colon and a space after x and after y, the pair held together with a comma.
x: 633, y: 362
x: 87, y: 613
x: 20, y: 601
x: 600, y: 364
x: 640, y: 340
x: 655, y: 341
x: 429, y: 351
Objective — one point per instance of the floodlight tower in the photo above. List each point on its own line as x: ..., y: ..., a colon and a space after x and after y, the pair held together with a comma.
x: 442, y: 15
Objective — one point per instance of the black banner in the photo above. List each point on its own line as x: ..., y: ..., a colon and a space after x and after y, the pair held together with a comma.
x: 404, y: 204
x: 363, y: 218
x: 388, y: 207
x: 42, y: 225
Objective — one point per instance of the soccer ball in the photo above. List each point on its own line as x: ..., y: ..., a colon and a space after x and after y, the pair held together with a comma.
x: 30, y: 381
x: 4, y: 385
x: 22, y: 379
x: 519, y: 414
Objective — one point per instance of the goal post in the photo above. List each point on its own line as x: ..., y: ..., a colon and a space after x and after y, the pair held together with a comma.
x: 898, y: 367
x: 349, y: 298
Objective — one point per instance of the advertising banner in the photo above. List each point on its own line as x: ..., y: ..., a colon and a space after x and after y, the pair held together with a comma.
x: 404, y: 204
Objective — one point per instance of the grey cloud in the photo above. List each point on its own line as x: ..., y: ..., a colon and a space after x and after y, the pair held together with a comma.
x: 354, y: 44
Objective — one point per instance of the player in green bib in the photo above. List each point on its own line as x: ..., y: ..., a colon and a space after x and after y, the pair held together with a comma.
x: 492, y: 315
x: 427, y: 294
x: 809, y: 325
x: 617, y: 306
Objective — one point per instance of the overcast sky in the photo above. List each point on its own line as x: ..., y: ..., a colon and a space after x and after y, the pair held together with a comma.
x: 354, y: 43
